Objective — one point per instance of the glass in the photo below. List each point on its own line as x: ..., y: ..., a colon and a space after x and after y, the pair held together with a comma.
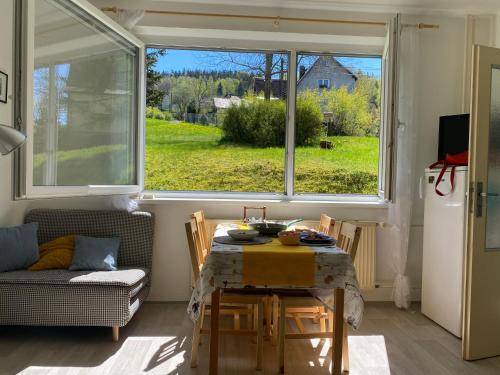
x: 337, y: 124
x: 493, y: 202
x: 84, y: 95
x: 215, y: 120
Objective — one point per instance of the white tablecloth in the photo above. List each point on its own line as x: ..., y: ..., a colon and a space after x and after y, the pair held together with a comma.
x: 333, y: 269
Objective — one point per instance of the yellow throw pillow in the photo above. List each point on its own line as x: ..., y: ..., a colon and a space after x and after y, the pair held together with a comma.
x: 56, y: 254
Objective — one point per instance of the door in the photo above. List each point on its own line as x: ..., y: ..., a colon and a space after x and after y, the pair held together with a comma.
x: 481, y: 328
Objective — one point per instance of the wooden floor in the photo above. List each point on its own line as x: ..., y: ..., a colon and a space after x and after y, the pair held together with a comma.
x: 157, y: 341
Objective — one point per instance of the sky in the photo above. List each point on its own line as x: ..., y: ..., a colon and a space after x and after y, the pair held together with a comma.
x: 178, y: 60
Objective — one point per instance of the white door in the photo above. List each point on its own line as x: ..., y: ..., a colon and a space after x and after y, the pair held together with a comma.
x: 481, y: 331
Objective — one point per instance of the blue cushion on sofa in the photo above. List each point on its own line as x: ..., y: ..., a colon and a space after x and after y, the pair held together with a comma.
x: 18, y: 247
x: 98, y: 254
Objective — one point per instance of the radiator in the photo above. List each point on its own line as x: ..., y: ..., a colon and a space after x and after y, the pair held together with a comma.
x: 365, y: 262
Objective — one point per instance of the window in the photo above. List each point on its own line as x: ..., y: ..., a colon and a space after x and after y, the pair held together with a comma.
x: 209, y: 122
x: 323, y: 83
x: 337, y: 149
x: 216, y: 121
x: 82, y: 91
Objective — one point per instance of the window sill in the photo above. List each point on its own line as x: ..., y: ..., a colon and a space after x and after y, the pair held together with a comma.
x: 351, y: 201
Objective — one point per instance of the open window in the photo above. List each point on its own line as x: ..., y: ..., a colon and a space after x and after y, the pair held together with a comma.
x: 390, y: 71
x: 83, y: 108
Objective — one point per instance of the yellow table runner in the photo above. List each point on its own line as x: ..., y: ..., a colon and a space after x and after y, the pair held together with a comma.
x: 276, y: 264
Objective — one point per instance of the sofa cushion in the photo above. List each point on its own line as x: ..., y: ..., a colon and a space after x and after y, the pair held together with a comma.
x: 56, y: 254
x: 127, y: 277
x: 18, y: 247
x: 91, y: 253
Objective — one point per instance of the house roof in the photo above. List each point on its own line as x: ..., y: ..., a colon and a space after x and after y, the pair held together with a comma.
x: 223, y: 103
x: 337, y: 62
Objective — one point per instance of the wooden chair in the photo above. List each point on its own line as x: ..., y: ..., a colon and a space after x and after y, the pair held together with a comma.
x: 231, y: 303
x: 326, y: 223
x: 201, y: 224
x: 316, y: 312
x: 300, y: 304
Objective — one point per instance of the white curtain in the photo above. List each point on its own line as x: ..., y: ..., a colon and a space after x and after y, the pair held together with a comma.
x: 400, y: 211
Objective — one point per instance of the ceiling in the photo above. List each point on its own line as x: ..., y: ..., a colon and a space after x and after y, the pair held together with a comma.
x: 412, y: 6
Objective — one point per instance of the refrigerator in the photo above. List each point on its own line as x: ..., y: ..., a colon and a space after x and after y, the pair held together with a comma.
x: 444, y: 248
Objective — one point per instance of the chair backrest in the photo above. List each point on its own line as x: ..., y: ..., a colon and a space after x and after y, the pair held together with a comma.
x: 195, y: 247
x: 348, y: 238
x: 325, y: 224
x: 199, y: 217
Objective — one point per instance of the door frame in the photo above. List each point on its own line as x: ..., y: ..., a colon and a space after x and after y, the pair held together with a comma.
x: 480, y: 340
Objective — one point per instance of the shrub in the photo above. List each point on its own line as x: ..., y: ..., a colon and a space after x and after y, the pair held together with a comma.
x: 351, y: 111
x: 158, y: 114
x: 263, y: 123
x: 257, y: 122
x: 309, y: 119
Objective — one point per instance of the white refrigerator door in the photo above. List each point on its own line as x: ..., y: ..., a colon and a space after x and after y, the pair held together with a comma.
x: 443, y: 250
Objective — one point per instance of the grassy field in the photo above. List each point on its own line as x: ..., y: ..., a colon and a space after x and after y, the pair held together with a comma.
x: 190, y: 157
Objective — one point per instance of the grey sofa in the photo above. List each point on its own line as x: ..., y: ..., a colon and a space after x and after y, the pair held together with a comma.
x: 82, y: 298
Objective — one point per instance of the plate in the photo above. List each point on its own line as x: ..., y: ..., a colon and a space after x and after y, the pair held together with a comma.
x: 226, y: 240
x: 319, y: 244
x: 242, y: 234
x: 321, y: 239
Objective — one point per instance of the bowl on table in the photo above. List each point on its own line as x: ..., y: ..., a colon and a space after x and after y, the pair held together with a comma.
x: 243, y: 234
x: 271, y: 227
x: 289, y: 237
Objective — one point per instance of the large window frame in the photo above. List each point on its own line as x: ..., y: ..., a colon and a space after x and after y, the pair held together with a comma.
x: 23, y: 111
x: 23, y: 120
x: 289, y: 193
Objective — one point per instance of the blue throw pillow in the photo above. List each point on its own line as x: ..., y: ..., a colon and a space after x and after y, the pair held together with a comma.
x: 18, y: 247
x: 96, y: 254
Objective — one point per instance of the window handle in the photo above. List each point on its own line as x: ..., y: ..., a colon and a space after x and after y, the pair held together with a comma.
x: 489, y: 194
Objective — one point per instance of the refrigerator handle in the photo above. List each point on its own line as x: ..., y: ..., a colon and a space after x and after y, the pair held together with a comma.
x: 421, y: 187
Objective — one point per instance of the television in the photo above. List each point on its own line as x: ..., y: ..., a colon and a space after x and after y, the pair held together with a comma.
x: 453, y: 135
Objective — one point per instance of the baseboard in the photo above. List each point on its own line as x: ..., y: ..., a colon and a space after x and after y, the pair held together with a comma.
x: 383, y: 292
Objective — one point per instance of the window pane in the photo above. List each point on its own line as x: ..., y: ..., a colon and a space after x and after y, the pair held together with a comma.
x: 215, y: 120
x: 84, y: 94
x: 337, y: 123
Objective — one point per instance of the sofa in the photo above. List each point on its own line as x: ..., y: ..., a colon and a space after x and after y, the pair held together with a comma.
x: 83, y: 298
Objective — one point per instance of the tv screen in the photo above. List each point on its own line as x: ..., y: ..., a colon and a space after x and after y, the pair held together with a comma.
x: 453, y: 135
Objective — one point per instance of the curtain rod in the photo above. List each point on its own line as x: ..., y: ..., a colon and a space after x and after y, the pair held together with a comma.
x: 275, y: 19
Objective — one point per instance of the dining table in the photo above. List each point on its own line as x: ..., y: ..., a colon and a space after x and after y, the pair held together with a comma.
x: 327, y: 272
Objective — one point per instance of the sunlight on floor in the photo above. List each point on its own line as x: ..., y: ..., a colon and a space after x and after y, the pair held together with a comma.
x: 368, y: 355
x: 168, y: 355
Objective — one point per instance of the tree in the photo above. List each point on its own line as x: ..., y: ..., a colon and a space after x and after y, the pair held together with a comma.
x: 266, y: 65
x: 219, y: 89
x: 240, y: 91
x: 153, y: 95
x: 200, y: 91
x: 182, y: 93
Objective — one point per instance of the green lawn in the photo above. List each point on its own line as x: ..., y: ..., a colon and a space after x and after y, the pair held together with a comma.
x: 189, y: 157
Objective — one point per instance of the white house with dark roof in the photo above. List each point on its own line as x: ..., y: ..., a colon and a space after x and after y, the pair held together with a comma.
x: 325, y: 73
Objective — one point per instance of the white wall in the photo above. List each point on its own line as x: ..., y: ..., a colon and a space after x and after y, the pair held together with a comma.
x: 439, y: 94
